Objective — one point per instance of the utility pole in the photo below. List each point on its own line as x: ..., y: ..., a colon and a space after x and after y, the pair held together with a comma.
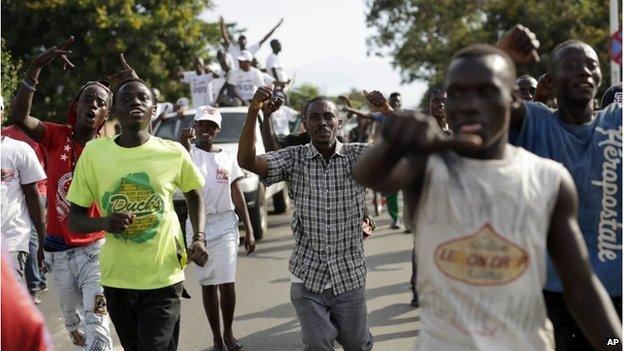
x: 614, y: 26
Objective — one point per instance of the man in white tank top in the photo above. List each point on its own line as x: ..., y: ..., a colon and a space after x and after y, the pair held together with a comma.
x: 485, y: 215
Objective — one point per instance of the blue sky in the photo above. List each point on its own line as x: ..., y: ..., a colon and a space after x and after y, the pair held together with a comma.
x: 323, y: 41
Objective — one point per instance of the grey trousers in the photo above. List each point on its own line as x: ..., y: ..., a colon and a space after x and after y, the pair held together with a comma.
x: 326, y: 318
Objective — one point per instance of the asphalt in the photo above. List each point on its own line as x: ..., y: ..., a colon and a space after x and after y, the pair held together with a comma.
x: 265, y: 319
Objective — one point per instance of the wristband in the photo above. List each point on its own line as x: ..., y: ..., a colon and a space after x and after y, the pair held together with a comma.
x: 28, y: 86
x: 199, y: 236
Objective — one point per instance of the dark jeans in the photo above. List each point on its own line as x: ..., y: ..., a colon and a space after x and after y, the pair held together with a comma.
x: 146, y: 320
x: 568, y: 335
x: 326, y: 318
x: 35, y: 280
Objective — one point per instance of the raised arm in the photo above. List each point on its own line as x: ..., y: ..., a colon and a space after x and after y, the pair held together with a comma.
x: 266, y: 130
x: 20, y: 114
x: 186, y: 135
x: 266, y: 37
x: 247, y: 157
x: 521, y: 45
x: 587, y: 299
x: 407, y: 142
x: 224, y: 32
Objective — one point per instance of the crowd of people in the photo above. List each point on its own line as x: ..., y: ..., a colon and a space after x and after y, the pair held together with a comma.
x: 511, y: 188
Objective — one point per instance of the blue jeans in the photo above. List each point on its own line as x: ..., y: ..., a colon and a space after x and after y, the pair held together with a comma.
x: 76, y: 275
x: 326, y: 318
x: 35, y: 280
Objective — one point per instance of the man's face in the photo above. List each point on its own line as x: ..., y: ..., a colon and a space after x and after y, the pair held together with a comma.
x: 134, y: 106
x: 396, y: 101
x: 479, y: 97
x: 244, y: 65
x: 322, y: 122
x: 276, y: 46
x: 577, y: 74
x: 437, y: 105
x: 527, y: 87
x: 242, y: 42
x: 92, y: 107
x: 199, y: 65
x: 206, y: 131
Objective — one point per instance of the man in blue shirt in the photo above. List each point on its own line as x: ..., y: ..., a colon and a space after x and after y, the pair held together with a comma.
x: 589, y: 144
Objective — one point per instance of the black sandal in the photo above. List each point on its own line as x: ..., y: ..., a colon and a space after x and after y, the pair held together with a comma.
x: 235, y: 346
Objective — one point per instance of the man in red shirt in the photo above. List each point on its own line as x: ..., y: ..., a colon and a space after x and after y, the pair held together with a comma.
x: 73, y: 258
x: 22, y: 326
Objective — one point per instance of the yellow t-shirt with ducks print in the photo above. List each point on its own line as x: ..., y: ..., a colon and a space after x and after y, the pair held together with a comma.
x: 141, y: 180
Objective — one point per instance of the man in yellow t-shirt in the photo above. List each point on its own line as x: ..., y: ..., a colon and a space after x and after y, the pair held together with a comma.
x: 132, y: 178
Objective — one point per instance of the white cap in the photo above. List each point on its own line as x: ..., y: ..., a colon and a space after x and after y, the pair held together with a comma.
x: 182, y: 101
x: 208, y: 113
x: 245, y: 56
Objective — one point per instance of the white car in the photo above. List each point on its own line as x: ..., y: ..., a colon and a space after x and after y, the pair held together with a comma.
x: 256, y: 194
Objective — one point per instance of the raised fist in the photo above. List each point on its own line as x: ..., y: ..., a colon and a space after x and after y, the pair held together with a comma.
x: 262, y: 95
x: 521, y: 44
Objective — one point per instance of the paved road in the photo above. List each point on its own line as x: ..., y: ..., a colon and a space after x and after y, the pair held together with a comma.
x: 266, y: 321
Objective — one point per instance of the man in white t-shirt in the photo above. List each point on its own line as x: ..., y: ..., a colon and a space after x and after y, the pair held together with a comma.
x: 236, y: 49
x: 274, y: 64
x: 200, y: 81
x: 281, y: 120
x: 21, y: 171
x: 247, y: 79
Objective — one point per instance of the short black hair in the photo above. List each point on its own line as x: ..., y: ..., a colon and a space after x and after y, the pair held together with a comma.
x: 395, y: 94
x: 481, y: 50
x: 101, y: 83
x: 525, y: 76
x: 306, y: 105
x: 571, y: 42
x: 137, y: 80
x: 434, y: 91
x: 273, y: 42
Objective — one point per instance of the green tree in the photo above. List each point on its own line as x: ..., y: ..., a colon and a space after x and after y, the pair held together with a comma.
x: 421, y: 35
x: 10, y: 68
x: 302, y: 93
x: 156, y: 36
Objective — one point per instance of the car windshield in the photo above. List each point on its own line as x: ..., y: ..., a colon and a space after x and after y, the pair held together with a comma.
x: 231, y: 127
x: 166, y: 130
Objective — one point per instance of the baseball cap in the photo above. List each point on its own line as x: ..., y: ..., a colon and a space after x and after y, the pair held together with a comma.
x: 182, y: 101
x: 245, y: 56
x: 208, y: 113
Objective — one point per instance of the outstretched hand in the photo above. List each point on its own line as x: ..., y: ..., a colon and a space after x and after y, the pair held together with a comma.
x: 419, y: 134
x: 58, y: 51
x: 262, y: 95
x: 521, y: 44
x: 345, y: 100
x: 377, y: 100
x: 124, y: 74
x: 271, y: 105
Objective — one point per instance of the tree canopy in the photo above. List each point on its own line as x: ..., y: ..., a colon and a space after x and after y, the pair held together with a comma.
x: 156, y: 36
x: 422, y: 35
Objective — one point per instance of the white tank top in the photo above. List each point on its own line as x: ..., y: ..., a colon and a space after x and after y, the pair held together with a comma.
x: 480, y: 235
